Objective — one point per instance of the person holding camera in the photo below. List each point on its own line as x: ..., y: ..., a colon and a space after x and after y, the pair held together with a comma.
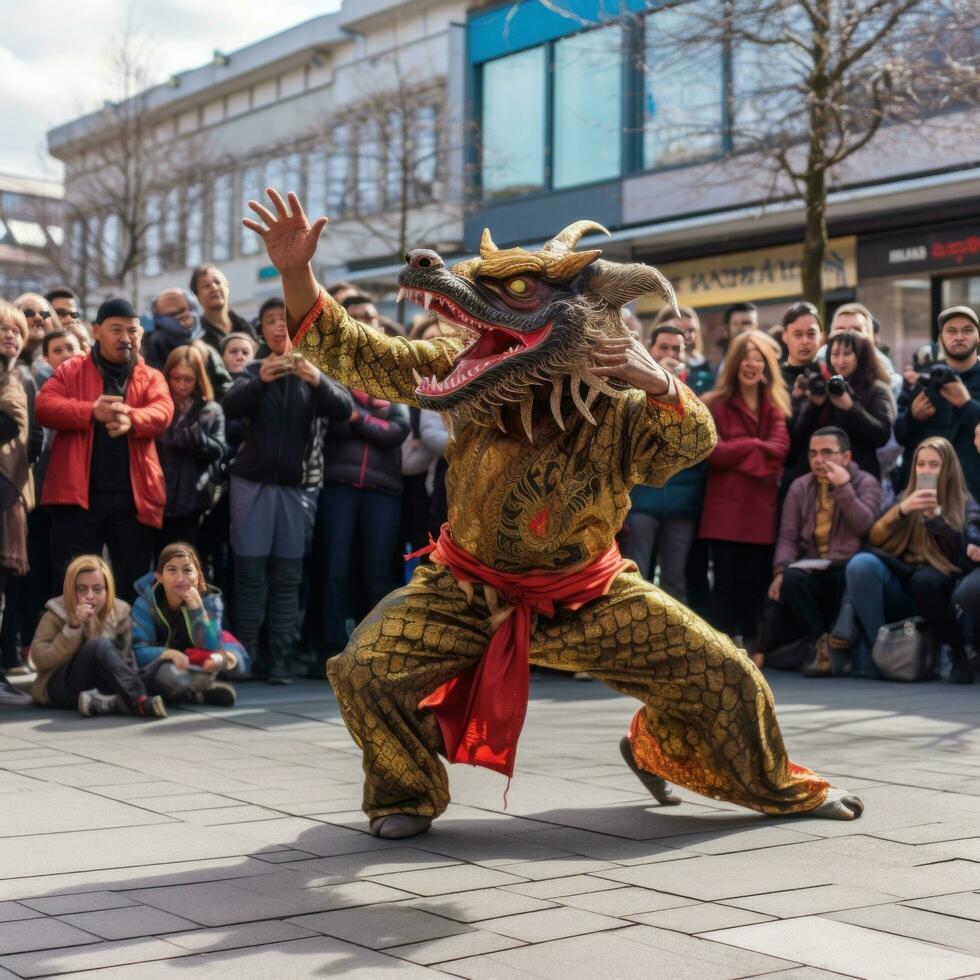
x: 275, y: 481
x: 918, y: 550
x: 945, y: 400
x: 856, y: 399
x: 801, y: 370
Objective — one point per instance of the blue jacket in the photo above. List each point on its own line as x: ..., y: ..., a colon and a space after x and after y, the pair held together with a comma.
x: 151, y: 632
x: 681, y: 496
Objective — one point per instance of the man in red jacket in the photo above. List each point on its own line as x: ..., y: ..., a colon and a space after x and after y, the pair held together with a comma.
x: 104, y: 482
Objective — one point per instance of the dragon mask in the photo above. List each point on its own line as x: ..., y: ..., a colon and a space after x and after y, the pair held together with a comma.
x: 530, y: 321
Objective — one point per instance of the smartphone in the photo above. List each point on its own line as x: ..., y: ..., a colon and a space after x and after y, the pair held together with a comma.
x: 928, y: 481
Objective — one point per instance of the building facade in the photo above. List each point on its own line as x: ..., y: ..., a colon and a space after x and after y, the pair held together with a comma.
x: 613, y: 112
x: 30, y: 234
x: 355, y: 111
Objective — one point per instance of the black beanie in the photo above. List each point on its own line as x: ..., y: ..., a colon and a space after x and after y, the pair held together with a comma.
x: 115, y: 307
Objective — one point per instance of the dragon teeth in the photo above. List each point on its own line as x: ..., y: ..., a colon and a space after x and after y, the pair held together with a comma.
x: 419, y: 380
x: 402, y: 291
x: 427, y: 299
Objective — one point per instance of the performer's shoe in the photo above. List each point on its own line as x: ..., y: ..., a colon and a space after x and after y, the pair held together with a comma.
x: 398, y: 825
x: 658, y: 787
x: 840, y: 805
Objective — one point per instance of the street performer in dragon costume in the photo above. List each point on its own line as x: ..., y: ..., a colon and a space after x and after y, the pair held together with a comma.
x: 556, y: 411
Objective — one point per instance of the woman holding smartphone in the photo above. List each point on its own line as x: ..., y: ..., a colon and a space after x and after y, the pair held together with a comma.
x: 918, y: 551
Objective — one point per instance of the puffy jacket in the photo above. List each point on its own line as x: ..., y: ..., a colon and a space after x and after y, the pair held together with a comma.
x: 740, y: 500
x: 855, y: 509
x: 367, y: 452
x: 167, y: 335
x: 868, y: 423
x: 151, y: 631
x: 65, y: 405
x: 284, y: 435
x: 190, y: 450
x: 55, y: 642
x: 681, y: 496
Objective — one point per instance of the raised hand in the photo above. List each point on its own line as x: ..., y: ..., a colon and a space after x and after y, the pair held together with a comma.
x: 290, y: 239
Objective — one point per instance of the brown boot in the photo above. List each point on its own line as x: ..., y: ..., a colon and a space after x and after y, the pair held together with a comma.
x: 820, y: 664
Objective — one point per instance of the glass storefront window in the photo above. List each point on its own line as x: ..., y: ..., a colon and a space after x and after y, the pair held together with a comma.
x: 588, y: 107
x: 903, y: 307
x: 512, y: 123
x: 683, y: 82
x: 221, y: 201
x: 961, y: 291
x: 253, y: 189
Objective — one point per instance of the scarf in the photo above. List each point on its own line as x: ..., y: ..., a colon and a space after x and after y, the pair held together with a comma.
x: 115, y: 377
x: 481, y: 711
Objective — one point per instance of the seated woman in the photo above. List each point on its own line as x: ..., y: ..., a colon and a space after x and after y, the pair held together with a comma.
x: 918, y: 551
x: 864, y: 409
x: 83, y: 648
x: 177, y: 637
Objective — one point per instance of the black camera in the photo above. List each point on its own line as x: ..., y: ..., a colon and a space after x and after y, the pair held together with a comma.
x: 934, y: 377
x: 816, y: 384
x: 836, y: 385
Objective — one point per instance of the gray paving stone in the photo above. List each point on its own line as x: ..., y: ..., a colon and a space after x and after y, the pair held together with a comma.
x: 811, y: 901
x: 92, y: 850
x: 177, y: 872
x: 930, y: 927
x: 237, y: 936
x: 228, y: 816
x: 29, y: 934
x: 315, y: 957
x: 964, y: 905
x: 186, y: 801
x: 557, y: 887
x: 308, y: 893
x: 52, y: 810
x: 558, y: 868
x: 609, y: 955
x: 699, y: 918
x: 850, y: 949
x: 55, y: 962
x: 625, y: 902
x: 81, y: 902
x: 138, y: 791
x: 439, y: 881
x: 376, y: 861
x: 558, y: 923
x: 128, y: 923
x: 13, y: 911
x: 381, y: 926
x: 215, y: 903
x: 452, y: 947
x: 487, y: 903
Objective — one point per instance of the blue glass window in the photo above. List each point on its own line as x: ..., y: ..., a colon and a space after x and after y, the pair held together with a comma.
x: 588, y: 107
x: 513, y: 123
x: 684, y: 80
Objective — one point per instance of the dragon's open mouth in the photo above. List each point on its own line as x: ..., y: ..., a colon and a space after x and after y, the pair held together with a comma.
x: 491, y: 343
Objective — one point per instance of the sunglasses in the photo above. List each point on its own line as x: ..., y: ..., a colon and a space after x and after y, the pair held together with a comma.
x: 43, y: 314
x: 71, y: 314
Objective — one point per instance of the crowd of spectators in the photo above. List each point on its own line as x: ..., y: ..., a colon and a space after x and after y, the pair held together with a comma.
x: 186, y: 502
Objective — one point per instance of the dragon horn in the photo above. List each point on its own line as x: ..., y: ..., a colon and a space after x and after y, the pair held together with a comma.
x: 568, y: 237
x: 487, y: 247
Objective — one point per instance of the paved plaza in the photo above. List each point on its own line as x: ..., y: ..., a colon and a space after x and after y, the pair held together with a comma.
x: 230, y: 843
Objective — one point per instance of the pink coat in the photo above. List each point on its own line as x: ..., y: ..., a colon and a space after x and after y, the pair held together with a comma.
x: 741, y: 500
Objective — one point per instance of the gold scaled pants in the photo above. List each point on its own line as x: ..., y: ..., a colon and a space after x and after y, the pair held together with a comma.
x: 707, y: 722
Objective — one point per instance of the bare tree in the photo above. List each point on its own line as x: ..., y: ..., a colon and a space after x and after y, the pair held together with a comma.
x: 116, y: 185
x: 390, y: 154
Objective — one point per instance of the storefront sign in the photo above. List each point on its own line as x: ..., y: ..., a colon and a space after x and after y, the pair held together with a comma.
x: 921, y: 251
x: 762, y: 274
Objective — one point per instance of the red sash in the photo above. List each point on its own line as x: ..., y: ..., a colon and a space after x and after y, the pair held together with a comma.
x: 481, y: 711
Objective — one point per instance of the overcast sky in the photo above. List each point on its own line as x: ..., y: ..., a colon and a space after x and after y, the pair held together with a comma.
x: 53, y: 55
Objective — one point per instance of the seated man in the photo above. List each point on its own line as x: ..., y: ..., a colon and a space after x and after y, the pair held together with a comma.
x: 826, y: 514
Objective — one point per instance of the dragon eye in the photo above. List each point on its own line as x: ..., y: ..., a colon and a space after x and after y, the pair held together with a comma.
x: 518, y: 287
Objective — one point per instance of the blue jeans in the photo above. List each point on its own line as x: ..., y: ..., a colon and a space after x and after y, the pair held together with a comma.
x: 362, y: 521
x: 879, y: 598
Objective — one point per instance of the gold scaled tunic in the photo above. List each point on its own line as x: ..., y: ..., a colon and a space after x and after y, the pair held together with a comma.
x: 707, y: 723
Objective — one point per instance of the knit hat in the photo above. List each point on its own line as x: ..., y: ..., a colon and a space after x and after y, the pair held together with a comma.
x: 115, y: 307
x: 952, y: 311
